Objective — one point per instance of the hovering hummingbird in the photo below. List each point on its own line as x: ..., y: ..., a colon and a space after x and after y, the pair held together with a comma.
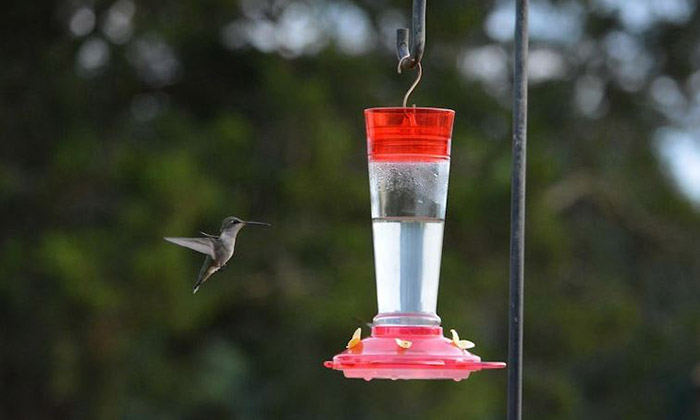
x: 218, y: 249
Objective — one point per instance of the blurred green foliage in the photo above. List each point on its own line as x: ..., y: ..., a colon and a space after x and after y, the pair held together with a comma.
x: 112, y: 138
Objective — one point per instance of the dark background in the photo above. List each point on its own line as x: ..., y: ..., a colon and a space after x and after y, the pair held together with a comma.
x: 123, y: 122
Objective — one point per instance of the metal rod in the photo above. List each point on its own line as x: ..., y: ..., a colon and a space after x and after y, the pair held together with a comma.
x: 414, y: 45
x: 517, y: 217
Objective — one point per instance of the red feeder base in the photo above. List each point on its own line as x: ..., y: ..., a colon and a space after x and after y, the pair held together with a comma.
x: 430, y: 356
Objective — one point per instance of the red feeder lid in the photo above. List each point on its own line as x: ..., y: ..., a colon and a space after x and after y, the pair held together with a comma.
x: 409, y: 134
x: 430, y: 356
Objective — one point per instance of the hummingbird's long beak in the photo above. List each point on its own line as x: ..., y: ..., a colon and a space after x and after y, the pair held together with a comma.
x: 257, y: 223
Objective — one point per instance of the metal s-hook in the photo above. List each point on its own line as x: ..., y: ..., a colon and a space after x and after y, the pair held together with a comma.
x: 415, y: 83
x: 410, y: 49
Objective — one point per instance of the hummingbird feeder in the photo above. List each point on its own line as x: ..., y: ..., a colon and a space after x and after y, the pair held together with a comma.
x: 408, y: 151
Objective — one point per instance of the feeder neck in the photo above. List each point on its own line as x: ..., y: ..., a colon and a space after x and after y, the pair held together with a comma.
x: 399, y: 319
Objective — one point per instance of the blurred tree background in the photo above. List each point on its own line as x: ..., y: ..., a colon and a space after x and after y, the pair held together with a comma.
x: 125, y: 121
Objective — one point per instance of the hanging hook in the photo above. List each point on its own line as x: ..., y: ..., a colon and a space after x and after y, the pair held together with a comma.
x: 410, y: 48
x: 415, y: 83
x: 414, y: 45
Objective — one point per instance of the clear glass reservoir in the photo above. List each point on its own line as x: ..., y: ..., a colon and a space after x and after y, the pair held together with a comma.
x: 409, y: 164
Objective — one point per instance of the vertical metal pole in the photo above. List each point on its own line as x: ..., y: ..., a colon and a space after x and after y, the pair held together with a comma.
x: 517, y: 217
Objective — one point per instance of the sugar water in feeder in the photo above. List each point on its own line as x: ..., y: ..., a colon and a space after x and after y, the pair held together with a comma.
x: 409, y: 164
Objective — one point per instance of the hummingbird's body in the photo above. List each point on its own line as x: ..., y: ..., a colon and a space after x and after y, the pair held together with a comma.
x: 218, y: 249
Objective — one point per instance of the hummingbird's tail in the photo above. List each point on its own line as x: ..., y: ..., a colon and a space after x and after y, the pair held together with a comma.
x: 207, y: 270
x: 201, y: 280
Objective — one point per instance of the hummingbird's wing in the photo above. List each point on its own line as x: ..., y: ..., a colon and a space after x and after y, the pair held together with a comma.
x: 203, y: 245
x: 208, y: 235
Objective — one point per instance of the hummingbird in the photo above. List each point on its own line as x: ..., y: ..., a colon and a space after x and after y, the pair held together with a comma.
x: 218, y: 249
